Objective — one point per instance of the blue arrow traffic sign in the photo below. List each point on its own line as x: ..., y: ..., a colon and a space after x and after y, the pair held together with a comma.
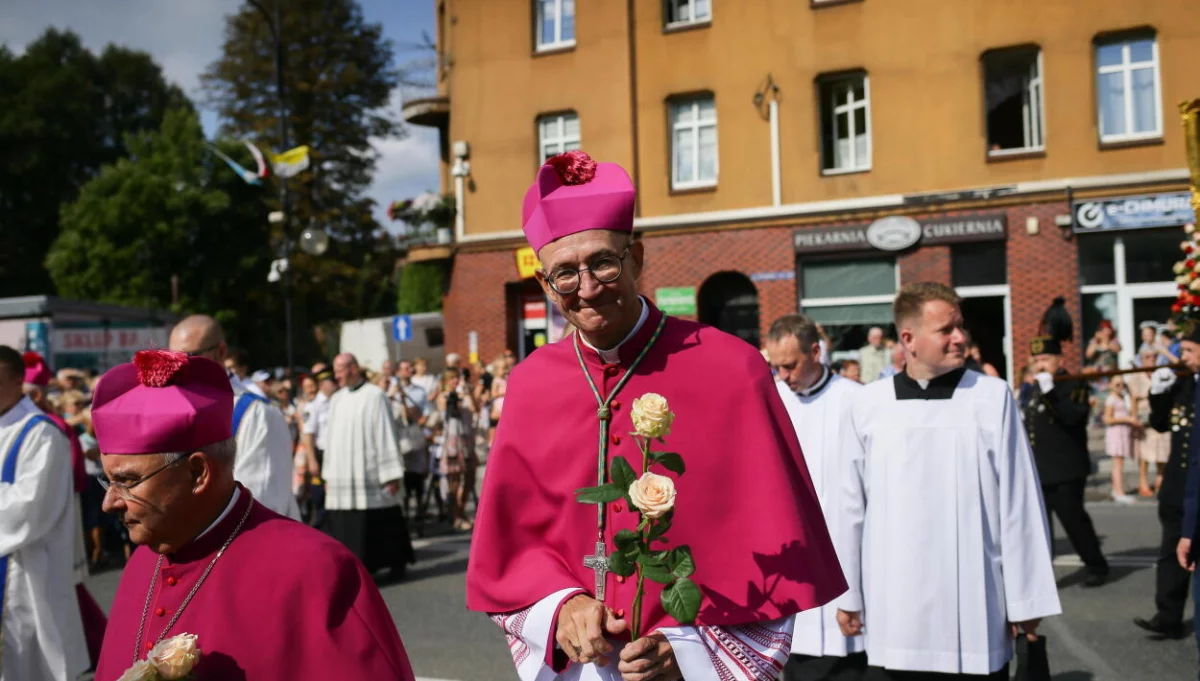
x: 401, y: 328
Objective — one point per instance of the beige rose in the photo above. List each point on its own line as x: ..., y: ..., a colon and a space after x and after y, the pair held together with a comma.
x: 140, y: 671
x: 653, y: 494
x: 1195, y: 285
x: 1180, y: 267
x: 1189, y: 227
x: 175, y: 657
x: 1182, y: 279
x: 652, y: 416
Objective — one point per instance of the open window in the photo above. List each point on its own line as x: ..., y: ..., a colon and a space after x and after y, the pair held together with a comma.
x: 1012, y: 82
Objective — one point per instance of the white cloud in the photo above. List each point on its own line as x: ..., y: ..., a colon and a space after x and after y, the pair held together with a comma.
x: 406, y: 168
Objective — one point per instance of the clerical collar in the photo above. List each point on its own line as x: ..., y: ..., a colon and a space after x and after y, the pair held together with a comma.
x: 354, y: 388
x: 228, y: 507
x: 612, y: 356
x: 940, y: 388
x: 826, y: 376
x: 13, y: 414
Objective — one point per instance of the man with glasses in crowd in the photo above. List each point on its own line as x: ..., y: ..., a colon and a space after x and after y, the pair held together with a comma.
x: 266, y: 598
x: 41, y: 632
x: 537, y: 556
x: 264, y: 462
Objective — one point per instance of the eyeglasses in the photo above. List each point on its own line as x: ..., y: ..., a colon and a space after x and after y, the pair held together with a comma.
x: 204, y: 351
x: 605, y: 270
x: 124, y: 490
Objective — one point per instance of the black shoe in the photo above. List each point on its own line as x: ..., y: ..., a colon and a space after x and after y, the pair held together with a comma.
x: 1162, y: 630
x: 1095, y: 579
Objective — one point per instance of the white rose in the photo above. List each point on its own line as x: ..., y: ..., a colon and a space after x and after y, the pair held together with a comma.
x: 1189, y: 227
x: 653, y: 494
x: 175, y: 657
x: 1183, y: 279
x: 1195, y: 285
x: 140, y: 671
x: 1180, y: 267
x: 651, y: 416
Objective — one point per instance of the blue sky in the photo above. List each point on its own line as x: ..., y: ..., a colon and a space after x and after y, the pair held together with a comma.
x: 184, y: 36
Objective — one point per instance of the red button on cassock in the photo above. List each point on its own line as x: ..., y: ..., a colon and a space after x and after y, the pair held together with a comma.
x: 149, y: 646
x: 616, y: 439
x: 171, y: 581
x: 616, y: 405
x: 610, y: 370
x: 160, y: 612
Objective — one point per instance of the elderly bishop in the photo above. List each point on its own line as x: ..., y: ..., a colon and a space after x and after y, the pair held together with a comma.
x: 268, y: 599
x: 536, y: 561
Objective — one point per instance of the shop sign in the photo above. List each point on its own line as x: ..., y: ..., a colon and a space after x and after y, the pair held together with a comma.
x: 90, y: 341
x: 527, y: 262
x: 678, y: 301
x: 897, y: 233
x: 783, y: 275
x: 1133, y: 212
x: 894, y: 233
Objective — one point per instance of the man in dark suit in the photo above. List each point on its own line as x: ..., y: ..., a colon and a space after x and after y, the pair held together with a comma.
x: 1185, y: 550
x: 1056, y: 418
x: 1172, y: 409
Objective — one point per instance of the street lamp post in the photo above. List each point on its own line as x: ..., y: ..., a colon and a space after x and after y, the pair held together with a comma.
x: 274, y: 22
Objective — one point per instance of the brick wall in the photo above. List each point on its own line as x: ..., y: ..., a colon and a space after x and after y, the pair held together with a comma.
x: 690, y: 259
x: 1040, y: 267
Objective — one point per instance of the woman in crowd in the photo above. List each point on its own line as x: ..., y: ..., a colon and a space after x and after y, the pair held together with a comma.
x: 1149, y: 445
x: 458, y: 459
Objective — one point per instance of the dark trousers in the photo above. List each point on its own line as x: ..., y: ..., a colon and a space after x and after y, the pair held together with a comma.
x: 1171, y: 581
x: 826, y: 668
x: 1065, y: 500
x: 881, y: 674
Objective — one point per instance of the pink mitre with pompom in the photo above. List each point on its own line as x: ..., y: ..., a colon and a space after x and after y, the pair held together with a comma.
x: 573, y: 193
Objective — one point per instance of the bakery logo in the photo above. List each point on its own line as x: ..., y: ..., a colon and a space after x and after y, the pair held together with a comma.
x: 894, y: 233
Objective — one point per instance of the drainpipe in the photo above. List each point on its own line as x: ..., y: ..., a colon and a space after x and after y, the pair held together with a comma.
x: 776, y: 173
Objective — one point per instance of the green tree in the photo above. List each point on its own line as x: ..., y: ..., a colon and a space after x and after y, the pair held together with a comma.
x: 172, y: 210
x: 421, y: 287
x: 338, y: 78
x: 64, y: 113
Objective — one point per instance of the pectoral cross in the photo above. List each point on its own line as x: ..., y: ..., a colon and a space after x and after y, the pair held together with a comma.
x: 599, y: 565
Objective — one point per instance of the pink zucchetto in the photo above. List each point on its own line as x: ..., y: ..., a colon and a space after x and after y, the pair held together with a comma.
x: 572, y: 194
x: 36, y: 371
x: 162, y: 402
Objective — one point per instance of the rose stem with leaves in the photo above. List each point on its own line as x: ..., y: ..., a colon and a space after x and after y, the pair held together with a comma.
x: 644, y: 529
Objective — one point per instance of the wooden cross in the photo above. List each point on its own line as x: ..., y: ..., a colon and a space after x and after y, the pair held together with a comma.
x: 598, y: 563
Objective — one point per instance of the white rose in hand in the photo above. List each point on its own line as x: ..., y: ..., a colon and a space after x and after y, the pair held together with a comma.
x: 1161, y: 380
x: 651, y: 416
x: 175, y: 657
x: 140, y: 671
x: 1045, y: 381
x: 653, y: 494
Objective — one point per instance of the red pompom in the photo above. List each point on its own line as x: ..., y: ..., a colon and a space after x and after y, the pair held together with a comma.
x: 157, y: 367
x: 32, y: 359
x: 573, y: 167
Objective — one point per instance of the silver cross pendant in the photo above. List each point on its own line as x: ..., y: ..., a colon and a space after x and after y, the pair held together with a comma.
x: 598, y: 563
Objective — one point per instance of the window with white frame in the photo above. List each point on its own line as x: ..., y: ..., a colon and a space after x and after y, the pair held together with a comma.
x: 555, y: 24
x: 557, y: 133
x: 848, y: 297
x: 693, y: 142
x: 1128, y: 89
x: 1013, y: 94
x: 845, y: 124
x: 688, y: 12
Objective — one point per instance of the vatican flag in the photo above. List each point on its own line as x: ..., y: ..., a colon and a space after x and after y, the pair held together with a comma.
x: 291, y: 162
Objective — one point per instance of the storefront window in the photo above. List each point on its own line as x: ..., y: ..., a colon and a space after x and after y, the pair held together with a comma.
x: 1096, y: 264
x: 1097, y: 306
x: 1150, y: 254
x: 845, y: 278
x: 980, y: 264
x: 847, y: 298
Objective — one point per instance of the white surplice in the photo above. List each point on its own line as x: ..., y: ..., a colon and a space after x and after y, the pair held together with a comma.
x: 43, y: 631
x: 362, y: 453
x: 823, y: 419
x: 747, y: 652
x: 955, y: 543
x: 264, y: 455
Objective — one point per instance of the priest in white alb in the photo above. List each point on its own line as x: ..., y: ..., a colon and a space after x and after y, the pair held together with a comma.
x: 41, y: 632
x: 363, y: 470
x: 820, y: 404
x: 264, y: 443
x: 945, y: 513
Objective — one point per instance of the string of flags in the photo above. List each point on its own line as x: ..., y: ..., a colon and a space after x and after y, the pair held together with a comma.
x: 286, y: 165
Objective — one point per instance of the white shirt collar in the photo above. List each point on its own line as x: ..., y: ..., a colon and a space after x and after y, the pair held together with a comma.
x: 613, y: 355
x: 817, y: 387
x: 229, y: 507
